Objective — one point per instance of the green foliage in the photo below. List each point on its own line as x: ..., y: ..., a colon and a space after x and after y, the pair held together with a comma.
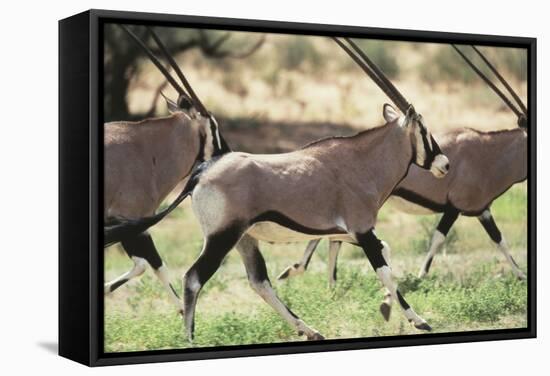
x: 487, y: 301
x: 298, y: 53
x: 447, y: 65
x: 511, y: 207
x: 512, y: 61
x: 353, y: 303
x: 381, y: 53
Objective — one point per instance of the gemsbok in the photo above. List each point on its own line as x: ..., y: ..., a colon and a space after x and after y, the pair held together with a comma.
x: 145, y: 160
x: 331, y: 188
x: 485, y: 165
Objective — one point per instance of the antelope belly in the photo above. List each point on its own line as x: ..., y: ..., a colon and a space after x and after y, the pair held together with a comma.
x: 274, y: 233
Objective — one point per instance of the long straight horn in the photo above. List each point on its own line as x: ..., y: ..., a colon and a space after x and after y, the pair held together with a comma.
x: 200, y: 106
x: 489, y: 82
x: 404, y: 103
x: 377, y: 80
x: 502, y: 80
x: 155, y: 61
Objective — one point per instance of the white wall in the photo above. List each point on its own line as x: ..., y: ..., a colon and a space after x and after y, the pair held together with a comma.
x: 28, y: 148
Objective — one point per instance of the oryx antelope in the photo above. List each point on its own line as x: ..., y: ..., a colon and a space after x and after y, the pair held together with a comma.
x: 485, y: 165
x: 144, y: 161
x: 330, y: 188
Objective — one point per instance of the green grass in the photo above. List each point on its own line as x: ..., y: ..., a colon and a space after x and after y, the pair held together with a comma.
x: 471, y: 288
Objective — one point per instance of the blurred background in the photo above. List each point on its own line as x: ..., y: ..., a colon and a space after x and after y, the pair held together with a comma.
x: 275, y: 93
x: 286, y: 90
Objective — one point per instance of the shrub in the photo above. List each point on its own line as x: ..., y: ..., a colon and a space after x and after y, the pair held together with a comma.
x: 447, y: 65
x: 381, y: 53
x: 299, y: 53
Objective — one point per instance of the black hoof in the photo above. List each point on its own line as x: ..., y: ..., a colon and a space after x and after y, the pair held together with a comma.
x: 315, y: 337
x: 423, y: 326
x: 385, y: 310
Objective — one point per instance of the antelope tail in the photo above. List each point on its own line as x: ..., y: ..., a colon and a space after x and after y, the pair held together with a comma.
x: 116, y: 229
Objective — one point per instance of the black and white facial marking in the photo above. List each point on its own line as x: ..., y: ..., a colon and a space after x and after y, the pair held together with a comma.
x: 215, y: 144
x: 428, y: 155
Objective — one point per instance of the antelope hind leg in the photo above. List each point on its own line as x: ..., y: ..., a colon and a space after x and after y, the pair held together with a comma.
x: 301, y: 267
x: 259, y: 281
x: 139, y: 251
x: 438, y: 238
x: 216, y: 247
x: 143, y: 247
x: 137, y: 270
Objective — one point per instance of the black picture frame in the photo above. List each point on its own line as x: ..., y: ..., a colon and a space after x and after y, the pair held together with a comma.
x: 80, y: 187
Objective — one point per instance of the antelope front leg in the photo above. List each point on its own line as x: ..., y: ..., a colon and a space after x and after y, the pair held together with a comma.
x: 163, y: 275
x: 138, y: 269
x: 143, y: 247
x: 259, y: 281
x: 438, y: 238
x: 488, y: 222
x: 333, y: 250
x: 300, y: 268
x: 372, y: 247
x: 385, y: 306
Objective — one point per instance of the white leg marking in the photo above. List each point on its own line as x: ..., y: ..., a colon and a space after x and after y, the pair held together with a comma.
x: 138, y: 269
x: 300, y: 268
x: 384, y: 273
x: 386, y: 310
x: 267, y: 293
x: 164, y: 277
x: 503, y: 247
x: 259, y: 282
x: 437, y: 240
x: 486, y: 215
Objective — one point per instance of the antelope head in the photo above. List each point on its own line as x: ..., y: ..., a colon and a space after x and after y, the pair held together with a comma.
x: 426, y: 152
x: 188, y: 102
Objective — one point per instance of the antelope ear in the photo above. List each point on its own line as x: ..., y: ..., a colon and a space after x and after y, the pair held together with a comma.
x: 172, y: 106
x: 389, y: 113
